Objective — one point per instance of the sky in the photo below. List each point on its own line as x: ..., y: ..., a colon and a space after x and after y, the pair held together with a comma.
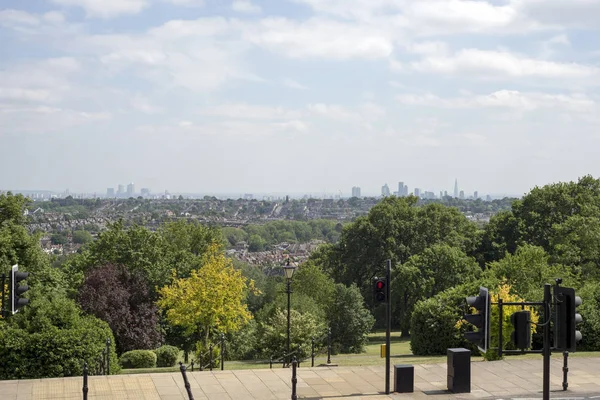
x: 251, y: 96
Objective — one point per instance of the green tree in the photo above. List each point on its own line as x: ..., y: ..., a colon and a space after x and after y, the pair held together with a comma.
x: 82, y: 237
x: 349, y: 319
x: 424, y: 275
x: 212, y: 298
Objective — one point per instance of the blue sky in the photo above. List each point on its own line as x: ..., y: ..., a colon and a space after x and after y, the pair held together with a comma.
x: 298, y: 95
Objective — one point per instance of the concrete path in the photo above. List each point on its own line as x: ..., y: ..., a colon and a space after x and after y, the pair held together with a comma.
x: 508, y: 379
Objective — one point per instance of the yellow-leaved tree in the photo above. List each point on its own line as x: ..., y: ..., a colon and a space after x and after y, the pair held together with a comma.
x: 212, y: 298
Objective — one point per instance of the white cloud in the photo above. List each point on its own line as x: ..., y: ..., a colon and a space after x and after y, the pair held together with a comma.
x: 245, y: 6
x: 105, y: 8
x: 188, y: 3
x: 250, y: 112
x: 503, y: 65
x: 143, y: 104
x: 333, y: 111
x: 318, y: 38
x: 512, y: 99
x: 293, y: 84
x: 43, y: 119
x: 11, y: 17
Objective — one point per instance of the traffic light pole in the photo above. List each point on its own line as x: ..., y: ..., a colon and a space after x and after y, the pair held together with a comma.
x: 3, y: 294
x: 388, y: 324
x: 547, y: 316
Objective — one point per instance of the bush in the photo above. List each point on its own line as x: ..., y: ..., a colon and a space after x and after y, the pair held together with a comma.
x: 435, y: 322
x: 53, y: 352
x: 166, y: 356
x: 243, y: 345
x: 349, y: 320
x: 590, y: 313
x: 138, y: 359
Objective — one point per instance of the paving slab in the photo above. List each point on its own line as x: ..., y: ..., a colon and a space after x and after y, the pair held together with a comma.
x: 506, y: 379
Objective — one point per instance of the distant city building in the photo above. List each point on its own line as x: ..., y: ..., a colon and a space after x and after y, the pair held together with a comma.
x: 417, y: 192
x: 355, y: 191
x: 145, y: 192
x: 456, y: 188
x: 121, y: 189
x: 130, y: 190
x: 400, y: 189
x: 110, y: 192
x: 461, y: 195
x: 445, y: 193
x: 248, y: 196
x: 441, y: 194
x: 476, y: 195
x: 488, y: 198
x: 385, y: 190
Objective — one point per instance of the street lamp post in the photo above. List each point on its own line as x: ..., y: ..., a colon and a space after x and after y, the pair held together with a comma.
x: 289, y: 273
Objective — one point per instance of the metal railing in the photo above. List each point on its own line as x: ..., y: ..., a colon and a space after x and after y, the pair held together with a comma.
x: 199, y: 363
x: 317, y: 346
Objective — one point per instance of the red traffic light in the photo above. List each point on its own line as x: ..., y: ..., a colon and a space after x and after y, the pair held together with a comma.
x: 380, y: 285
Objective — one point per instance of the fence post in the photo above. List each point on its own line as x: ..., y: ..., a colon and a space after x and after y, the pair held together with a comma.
x: 294, y: 379
x: 312, y: 351
x: 271, y: 362
x: 193, y: 365
x: 108, y: 356
x: 222, y: 351
x: 85, y: 381
x: 210, y: 358
x: 328, y: 345
x: 185, y: 381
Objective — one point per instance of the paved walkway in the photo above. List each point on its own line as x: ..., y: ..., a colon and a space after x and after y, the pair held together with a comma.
x: 506, y: 379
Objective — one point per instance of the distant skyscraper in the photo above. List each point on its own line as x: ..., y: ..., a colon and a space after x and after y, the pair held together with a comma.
x: 405, y: 191
x: 130, y: 189
x: 355, y: 191
x: 417, y: 192
x: 121, y: 189
x: 400, y: 189
x: 385, y: 190
x: 441, y: 194
x: 488, y: 198
x: 476, y: 195
x: 110, y: 192
x: 145, y: 192
x: 456, y: 188
x: 461, y: 194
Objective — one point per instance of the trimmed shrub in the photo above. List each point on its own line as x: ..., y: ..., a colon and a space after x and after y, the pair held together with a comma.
x: 138, y: 359
x: 54, y: 352
x: 435, y: 322
x: 166, y: 356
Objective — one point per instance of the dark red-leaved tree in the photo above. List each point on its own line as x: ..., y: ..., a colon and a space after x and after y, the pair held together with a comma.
x: 123, y: 300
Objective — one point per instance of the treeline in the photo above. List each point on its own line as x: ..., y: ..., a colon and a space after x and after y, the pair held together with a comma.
x: 173, y: 286
x: 259, y: 237
x: 439, y: 257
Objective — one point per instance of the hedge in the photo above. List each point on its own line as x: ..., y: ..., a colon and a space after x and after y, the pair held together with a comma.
x: 166, y: 356
x: 138, y: 359
x: 54, y: 352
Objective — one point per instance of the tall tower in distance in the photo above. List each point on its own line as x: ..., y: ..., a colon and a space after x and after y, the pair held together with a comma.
x: 455, y: 188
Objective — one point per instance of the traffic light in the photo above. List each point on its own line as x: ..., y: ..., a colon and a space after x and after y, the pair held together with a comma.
x: 16, y: 290
x: 481, y: 320
x: 566, y: 334
x: 521, y: 336
x: 379, y: 290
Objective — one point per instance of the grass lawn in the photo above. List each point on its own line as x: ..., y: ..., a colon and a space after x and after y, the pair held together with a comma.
x: 399, y: 351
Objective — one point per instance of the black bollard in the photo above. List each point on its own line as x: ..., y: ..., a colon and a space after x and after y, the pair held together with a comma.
x: 565, y: 383
x: 312, y: 352
x: 108, y: 356
x: 328, y: 345
x: 294, y: 379
x: 85, y: 381
x: 185, y: 381
x: 271, y: 363
x: 222, y: 351
x: 210, y: 357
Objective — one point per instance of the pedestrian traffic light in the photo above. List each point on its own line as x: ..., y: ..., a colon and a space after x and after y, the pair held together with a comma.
x: 379, y: 290
x: 481, y: 320
x: 16, y: 290
x: 566, y: 334
x: 521, y: 336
